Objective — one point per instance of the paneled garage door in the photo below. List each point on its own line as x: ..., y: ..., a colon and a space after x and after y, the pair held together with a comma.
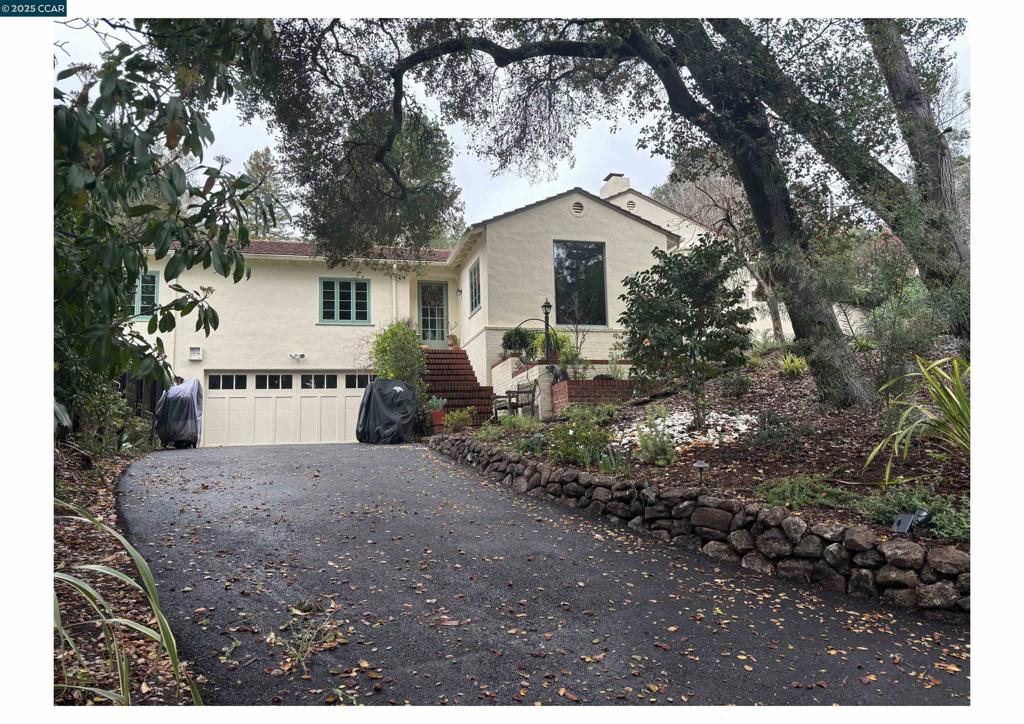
x: 265, y: 407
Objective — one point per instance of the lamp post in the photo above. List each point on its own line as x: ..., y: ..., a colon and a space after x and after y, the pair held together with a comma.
x: 546, y: 308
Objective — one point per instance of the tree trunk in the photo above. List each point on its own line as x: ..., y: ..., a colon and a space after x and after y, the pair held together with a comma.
x: 772, y: 300
x: 835, y: 369
x: 876, y: 185
x: 933, y: 167
x: 739, y: 125
x: 776, y: 315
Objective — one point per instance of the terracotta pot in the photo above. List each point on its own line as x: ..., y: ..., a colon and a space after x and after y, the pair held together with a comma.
x: 437, y: 417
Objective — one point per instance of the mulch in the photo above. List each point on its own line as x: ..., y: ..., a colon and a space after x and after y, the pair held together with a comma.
x: 92, y: 485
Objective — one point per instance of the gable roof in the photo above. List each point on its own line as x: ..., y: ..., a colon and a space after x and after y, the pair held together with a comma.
x: 592, y: 197
x: 654, y: 201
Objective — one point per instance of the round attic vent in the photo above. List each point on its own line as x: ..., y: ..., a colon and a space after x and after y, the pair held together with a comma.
x: 577, y: 208
x: 631, y: 205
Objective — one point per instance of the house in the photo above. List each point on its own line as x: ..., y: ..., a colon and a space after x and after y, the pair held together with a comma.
x: 289, y: 361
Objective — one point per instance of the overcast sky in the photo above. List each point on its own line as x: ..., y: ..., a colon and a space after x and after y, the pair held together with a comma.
x: 597, y: 150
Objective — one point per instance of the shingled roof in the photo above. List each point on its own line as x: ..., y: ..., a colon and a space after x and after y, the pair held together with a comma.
x: 273, y: 247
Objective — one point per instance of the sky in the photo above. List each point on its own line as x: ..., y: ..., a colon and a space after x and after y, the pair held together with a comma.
x: 598, y: 151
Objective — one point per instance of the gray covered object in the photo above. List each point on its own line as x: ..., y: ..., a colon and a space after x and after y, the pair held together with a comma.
x: 387, y: 414
x: 179, y: 415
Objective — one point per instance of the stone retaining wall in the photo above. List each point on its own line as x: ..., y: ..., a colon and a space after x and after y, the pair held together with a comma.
x: 758, y: 538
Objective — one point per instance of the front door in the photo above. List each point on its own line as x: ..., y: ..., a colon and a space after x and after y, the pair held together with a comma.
x: 434, y: 314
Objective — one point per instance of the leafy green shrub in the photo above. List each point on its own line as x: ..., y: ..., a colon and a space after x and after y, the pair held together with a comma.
x: 902, y: 327
x: 799, y: 491
x: 615, y: 461
x: 754, y: 361
x: 520, y: 422
x: 532, y: 445
x: 862, y: 344
x: 685, y: 319
x: 102, y: 414
x: 580, y: 441
x: 136, y: 436
x: 519, y: 343
x: 657, y: 447
x: 488, y: 433
x: 776, y: 431
x: 736, y: 384
x: 764, y: 344
x: 559, y: 341
x: 793, y: 365
x: 396, y: 355
x: 615, y: 367
x: 952, y: 523
x: 456, y: 420
x: 574, y: 364
x: 948, y: 520
x: 946, y: 418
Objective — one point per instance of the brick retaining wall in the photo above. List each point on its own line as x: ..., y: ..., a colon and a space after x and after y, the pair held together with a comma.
x: 589, y: 392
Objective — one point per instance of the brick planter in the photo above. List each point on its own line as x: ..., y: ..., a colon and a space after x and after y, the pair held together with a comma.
x: 589, y: 392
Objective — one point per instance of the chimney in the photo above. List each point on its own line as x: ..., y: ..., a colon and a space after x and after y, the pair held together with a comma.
x: 614, y: 183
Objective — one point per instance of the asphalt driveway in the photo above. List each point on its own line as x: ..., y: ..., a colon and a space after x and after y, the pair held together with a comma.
x: 421, y: 583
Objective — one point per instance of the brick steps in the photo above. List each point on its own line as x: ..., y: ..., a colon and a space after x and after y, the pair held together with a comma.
x: 451, y: 376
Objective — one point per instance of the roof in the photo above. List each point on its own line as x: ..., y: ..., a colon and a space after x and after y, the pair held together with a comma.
x: 658, y: 203
x: 592, y: 197
x: 613, y: 173
x: 272, y: 247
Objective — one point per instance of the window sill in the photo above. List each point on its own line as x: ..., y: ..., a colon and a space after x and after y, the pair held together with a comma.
x: 473, y: 312
x: 344, y: 324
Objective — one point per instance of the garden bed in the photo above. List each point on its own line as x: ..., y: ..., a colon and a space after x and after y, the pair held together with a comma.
x: 768, y: 445
x: 790, y: 435
x: 92, y: 485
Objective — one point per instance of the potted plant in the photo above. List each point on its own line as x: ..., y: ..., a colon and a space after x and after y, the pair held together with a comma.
x: 453, y: 341
x: 436, y: 406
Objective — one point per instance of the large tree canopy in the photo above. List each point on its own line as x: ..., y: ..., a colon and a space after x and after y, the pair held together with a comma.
x: 523, y: 87
x: 129, y: 179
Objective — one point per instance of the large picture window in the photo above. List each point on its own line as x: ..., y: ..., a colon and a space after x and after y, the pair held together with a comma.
x: 580, y: 294
x: 344, y: 301
x: 474, y: 287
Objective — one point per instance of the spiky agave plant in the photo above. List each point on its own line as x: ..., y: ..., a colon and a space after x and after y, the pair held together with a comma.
x: 108, y: 621
x: 946, y: 417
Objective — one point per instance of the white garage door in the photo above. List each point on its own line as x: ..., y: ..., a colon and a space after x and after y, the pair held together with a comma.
x: 267, y: 408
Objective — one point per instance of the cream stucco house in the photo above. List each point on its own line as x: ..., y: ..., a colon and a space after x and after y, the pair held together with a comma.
x: 290, y: 359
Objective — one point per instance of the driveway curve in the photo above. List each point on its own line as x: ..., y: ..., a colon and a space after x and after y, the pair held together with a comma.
x: 422, y: 583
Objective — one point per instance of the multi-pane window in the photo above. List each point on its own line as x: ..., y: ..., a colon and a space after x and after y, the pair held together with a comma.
x: 474, y: 287
x: 580, y: 294
x: 357, y: 382
x: 227, y: 382
x: 319, y: 382
x: 146, y: 294
x: 345, y: 301
x: 273, y: 382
